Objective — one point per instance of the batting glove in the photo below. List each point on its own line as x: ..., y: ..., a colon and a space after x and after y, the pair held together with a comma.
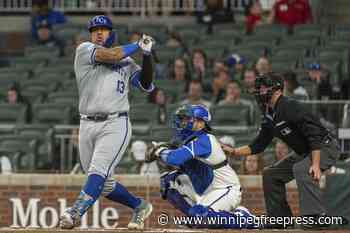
x: 146, y: 43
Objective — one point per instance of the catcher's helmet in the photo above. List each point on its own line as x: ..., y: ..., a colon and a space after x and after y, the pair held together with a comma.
x: 186, y: 115
x: 265, y: 86
x: 100, y: 21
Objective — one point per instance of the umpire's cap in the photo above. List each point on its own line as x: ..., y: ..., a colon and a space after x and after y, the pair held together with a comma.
x: 100, y: 21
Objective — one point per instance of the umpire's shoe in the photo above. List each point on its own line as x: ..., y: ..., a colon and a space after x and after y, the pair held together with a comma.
x: 139, y: 215
x: 70, y: 219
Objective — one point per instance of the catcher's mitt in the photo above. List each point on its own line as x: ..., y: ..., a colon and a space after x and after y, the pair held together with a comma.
x: 154, y: 152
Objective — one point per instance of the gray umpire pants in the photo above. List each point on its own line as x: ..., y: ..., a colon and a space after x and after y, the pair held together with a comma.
x: 297, y: 167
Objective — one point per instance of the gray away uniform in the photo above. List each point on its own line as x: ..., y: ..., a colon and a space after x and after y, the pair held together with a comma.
x: 103, y: 88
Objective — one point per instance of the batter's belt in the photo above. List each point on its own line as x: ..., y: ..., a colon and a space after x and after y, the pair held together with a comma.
x: 102, y: 116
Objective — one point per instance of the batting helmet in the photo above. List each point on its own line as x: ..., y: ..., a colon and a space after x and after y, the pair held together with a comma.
x: 100, y: 21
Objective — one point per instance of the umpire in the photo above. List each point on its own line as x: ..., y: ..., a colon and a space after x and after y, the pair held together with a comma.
x: 316, y: 150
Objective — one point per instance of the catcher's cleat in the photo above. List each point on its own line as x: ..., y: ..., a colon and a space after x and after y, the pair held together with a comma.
x: 70, y: 219
x: 139, y: 215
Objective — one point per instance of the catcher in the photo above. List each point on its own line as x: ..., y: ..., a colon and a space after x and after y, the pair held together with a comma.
x: 202, y: 183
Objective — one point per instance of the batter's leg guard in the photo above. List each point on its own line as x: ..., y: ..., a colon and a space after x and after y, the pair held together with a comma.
x: 90, y: 193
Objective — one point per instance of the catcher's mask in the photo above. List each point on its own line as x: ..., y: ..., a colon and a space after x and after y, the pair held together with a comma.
x: 265, y: 86
x: 186, y: 115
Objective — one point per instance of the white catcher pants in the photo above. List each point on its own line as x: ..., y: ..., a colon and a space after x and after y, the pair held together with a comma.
x: 219, y: 199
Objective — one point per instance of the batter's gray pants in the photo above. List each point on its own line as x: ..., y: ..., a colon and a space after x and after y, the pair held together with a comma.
x: 297, y: 167
x: 102, y: 144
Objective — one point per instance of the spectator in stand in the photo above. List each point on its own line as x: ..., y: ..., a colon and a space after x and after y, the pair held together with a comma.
x: 253, y: 12
x: 249, y: 80
x: 199, y: 63
x: 252, y: 165
x: 218, y: 87
x: 322, y: 88
x: 48, y: 39
x: 219, y: 65
x: 14, y: 95
x: 238, y: 63
x: 233, y: 96
x: 158, y: 97
x: 291, y: 12
x: 292, y: 87
x: 281, y: 150
x: 42, y: 13
x: 180, y: 71
x: 194, y: 95
x: 263, y: 65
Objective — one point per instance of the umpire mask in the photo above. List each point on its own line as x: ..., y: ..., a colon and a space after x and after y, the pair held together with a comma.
x: 265, y: 86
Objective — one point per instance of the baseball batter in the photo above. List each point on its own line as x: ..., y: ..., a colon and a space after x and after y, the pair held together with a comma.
x: 103, y: 74
x: 203, y: 183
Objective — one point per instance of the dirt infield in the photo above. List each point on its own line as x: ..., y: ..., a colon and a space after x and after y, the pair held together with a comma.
x: 119, y: 230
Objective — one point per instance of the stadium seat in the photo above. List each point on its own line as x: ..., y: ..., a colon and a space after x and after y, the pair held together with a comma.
x: 158, y: 31
x: 283, y: 63
x: 198, y: 28
x: 138, y: 97
x: 13, y: 113
x: 142, y: 117
x: 45, y: 142
x: 161, y: 133
x: 231, y: 115
x: 39, y: 86
x: 29, y: 63
x: 190, y: 36
x: 270, y: 29
x: 335, y: 54
x: 311, y: 30
x: 249, y: 54
x: 23, y: 145
x: 256, y: 50
x: 51, y: 113
x: 263, y: 40
x: 214, y: 53
x: 41, y: 52
x: 218, y: 43
x: 33, y: 96
x: 14, y: 158
x: 167, y: 54
x: 288, y: 53
x: 68, y: 32
x: 56, y: 69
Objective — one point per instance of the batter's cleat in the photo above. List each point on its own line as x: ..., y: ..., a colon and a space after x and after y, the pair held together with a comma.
x: 70, y: 219
x: 139, y: 215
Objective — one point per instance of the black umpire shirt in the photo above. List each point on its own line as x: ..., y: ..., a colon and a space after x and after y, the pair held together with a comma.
x: 290, y: 122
